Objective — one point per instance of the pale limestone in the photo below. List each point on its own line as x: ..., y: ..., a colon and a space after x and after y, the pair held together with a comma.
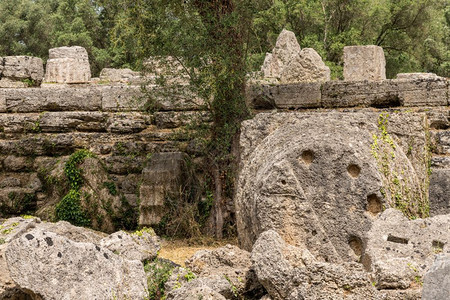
x: 68, y: 65
x: 364, y: 63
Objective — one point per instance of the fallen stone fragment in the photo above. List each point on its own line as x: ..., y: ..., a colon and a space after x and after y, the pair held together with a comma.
x: 289, y: 272
x: 142, y: 246
x: 51, y: 266
x: 288, y: 63
x: 227, y: 262
x: 436, y: 285
x: 400, y: 251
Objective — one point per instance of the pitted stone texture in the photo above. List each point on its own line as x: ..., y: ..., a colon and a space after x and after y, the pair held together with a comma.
x: 19, y: 68
x: 295, y: 169
x: 288, y: 63
x: 289, y: 272
x: 439, y: 192
x: 51, y: 266
x: 142, y: 247
x: 364, y: 63
x: 399, y: 251
x: 68, y: 65
x: 229, y: 262
x: 119, y: 75
x: 414, y: 76
x: 200, y: 291
x: 9, y: 230
x: 436, y: 285
x: 298, y: 95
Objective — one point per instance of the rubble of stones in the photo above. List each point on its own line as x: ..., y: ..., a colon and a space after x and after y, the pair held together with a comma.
x: 315, y: 195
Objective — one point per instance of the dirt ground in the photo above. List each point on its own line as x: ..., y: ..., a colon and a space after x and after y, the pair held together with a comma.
x: 180, y: 250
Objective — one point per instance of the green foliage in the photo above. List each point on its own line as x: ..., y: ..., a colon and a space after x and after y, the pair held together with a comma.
x: 401, y: 192
x: 111, y: 187
x: 72, y: 171
x: 69, y: 208
x: 158, y: 272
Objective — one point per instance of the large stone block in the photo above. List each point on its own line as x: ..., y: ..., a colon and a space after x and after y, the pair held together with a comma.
x: 439, y: 192
x: 21, y: 68
x: 163, y: 177
x: 297, y: 95
x: 68, y: 65
x: 385, y: 93
x: 400, y: 251
x: 52, y: 99
x: 55, y: 267
x: 436, y: 285
x: 315, y: 179
x: 123, y: 98
x: 364, y: 63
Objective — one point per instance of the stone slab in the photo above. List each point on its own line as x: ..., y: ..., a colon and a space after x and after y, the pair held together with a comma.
x: 298, y: 95
x: 52, y: 99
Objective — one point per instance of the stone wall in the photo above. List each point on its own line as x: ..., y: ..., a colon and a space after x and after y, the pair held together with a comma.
x: 42, y: 126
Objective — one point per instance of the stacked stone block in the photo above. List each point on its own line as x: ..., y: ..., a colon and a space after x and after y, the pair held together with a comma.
x: 68, y: 65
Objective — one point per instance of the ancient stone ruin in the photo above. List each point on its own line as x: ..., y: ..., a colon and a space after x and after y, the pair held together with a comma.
x: 343, y: 188
x: 288, y: 63
x: 68, y: 65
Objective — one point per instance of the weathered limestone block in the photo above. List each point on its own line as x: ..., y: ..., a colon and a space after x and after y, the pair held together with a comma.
x: 127, y: 123
x: 413, y: 76
x: 40, y: 144
x: 286, y: 48
x: 163, y: 176
x: 400, y: 251
x: 52, y: 99
x: 19, y: 69
x: 297, y: 95
x: 439, y: 192
x: 72, y: 121
x: 17, y: 163
x: 200, y: 291
x: 295, y: 167
x: 68, y: 65
x: 122, y: 98
x: 19, y: 123
x: 119, y: 75
x: 442, y: 138
x: 174, y: 119
x: 289, y: 272
x: 119, y: 164
x: 12, y: 84
x: 386, y: 93
x: 288, y: 63
x: 52, y: 266
x: 364, y: 63
x: 9, y: 230
x: 142, y: 246
x: 229, y: 262
x: 436, y: 283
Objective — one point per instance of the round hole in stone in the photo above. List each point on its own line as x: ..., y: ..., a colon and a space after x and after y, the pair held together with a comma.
x: 374, y: 204
x: 356, y: 245
x: 307, y: 156
x: 353, y: 170
x: 283, y: 182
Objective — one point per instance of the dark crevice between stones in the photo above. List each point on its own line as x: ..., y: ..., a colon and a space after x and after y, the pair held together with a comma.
x: 386, y: 101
